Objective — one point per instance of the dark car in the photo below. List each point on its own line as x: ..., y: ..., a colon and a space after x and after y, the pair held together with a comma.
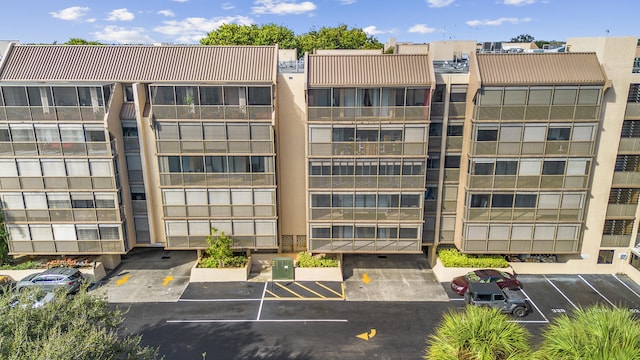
x: 490, y: 294
x: 502, y: 278
x: 50, y: 279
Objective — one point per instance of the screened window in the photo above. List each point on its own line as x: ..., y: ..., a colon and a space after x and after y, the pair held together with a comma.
x: 259, y: 96
x: 452, y: 162
x: 526, y: 200
x: 515, y: 96
x: 502, y: 200
x: 479, y: 201
x: 483, y: 168
x: 95, y: 134
x: 553, y: 167
x: 365, y: 200
x: 163, y: 95
x: 487, y: 134
x: 319, y: 97
x: 65, y: 96
x: 15, y: 96
x: 211, y: 95
x: 539, y: 96
x: 558, y: 133
x: 506, y: 167
x: 9, y: 168
x: 167, y: 131
x: 564, y: 96
x: 409, y: 201
x: 490, y: 97
x: 216, y: 164
x: 190, y: 131
x: 320, y: 200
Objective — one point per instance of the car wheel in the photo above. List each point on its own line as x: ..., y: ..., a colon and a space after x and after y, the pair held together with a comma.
x: 519, y: 311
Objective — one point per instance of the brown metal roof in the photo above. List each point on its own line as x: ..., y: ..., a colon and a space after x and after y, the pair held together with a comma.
x: 368, y: 70
x: 540, y: 69
x: 141, y: 63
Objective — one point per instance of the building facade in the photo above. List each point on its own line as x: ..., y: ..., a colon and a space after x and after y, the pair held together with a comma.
x: 493, y: 151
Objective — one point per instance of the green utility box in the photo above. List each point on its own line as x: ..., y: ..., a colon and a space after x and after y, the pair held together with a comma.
x: 282, y: 268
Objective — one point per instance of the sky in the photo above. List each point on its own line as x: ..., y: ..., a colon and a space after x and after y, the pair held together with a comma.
x: 418, y: 21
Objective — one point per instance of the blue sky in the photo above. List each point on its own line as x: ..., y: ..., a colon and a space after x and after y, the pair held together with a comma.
x: 186, y: 21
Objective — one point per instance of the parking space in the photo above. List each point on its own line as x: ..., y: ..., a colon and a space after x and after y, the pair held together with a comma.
x: 553, y: 295
x: 307, y: 290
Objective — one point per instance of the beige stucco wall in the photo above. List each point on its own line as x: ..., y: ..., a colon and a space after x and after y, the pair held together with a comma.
x: 616, y: 56
x: 114, y: 126
x: 291, y: 160
x: 150, y: 172
x: 445, y: 50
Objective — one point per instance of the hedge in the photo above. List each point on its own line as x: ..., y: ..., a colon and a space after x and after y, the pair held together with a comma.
x: 454, y: 258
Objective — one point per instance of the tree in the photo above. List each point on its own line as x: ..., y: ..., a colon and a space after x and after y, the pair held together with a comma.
x: 79, y: 41
x: 234, y: 34
x: 598, y: 333
x: 339, y: 37
x: 523, y: 38
x: 478, y: 333
x: 78, y: 327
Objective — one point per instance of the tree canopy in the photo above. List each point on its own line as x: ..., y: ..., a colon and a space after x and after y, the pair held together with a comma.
x: 79, y: 41
x: 522, y: 38
x: 340, y: 37
x: 78, y: 327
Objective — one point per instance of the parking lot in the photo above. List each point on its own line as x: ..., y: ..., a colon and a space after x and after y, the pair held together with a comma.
x: 553, y: 295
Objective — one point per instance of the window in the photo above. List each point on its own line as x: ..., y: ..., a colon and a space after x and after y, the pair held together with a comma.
x: 343, y: 167
x: 342, y: 200
x: 409, y: 201
x: 628, y: 163
x: 408, y: 233
x: 342, y: 231
x: 211, y: 95
x: 216, y: 164
x: 418, y: 97
x: 320, y: 233
x: 534, y: 133
x: 558, y: 133
x: 190, y: 131
x: 623, y: 196
x: 22, y: 133
x: 454, y: 130
x: 617, y: 227
x: 388, y: 168
x: 364, y: 167
x: 235, y: 95
x: 564, y: 96
x: 319, y: 97
x: 366, y: 134
x: 479, y: 201
x: 53, y: 167
x: 490, y: 97
x: 452, y: 162
x: 526, y: 200
x: 47, y: 133
x: 82, y: 201
x: 458, y: 93
x: 438, y: 95
x: 588, y: 96
x: 388, y: 200
x: 65, y: 96
x: 365, y: 200
x: 435, y: 129
x: 40, y: 96
x: 487, y: 134
x: 343, y: 134
x: 260, y: 95
x: 506, y: 167
x: 483, y: 167
x: 365, y: 232
x: 15, y: 96
x: 387, y: 233
x: 95, y: 134
x: 510, y: 133
x: 515, y: 96
x: 553, y: 167
x: 502, y: 201
x: 320, y: 168
x: 239, y: 164
x: 320, y: 200
x: 631, y: 129
x: 412, y: 168
x: 128, y: 93
x: 605, y: 256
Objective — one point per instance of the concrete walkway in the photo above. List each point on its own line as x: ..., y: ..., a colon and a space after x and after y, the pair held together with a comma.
x: 390, y: 278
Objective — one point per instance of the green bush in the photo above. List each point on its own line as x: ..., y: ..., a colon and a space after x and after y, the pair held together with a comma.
x: 306, y: 260
x: 219, y: 253
x: 453, y: 258
x: 27, y: 265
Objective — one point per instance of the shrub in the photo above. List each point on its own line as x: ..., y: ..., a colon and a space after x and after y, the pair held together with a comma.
x: 219, y: 253
x: 306, y: 260
x: 453, y: 258
x: 27, y: 265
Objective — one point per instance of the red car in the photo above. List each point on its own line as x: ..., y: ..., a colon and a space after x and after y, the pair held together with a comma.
x: 502, y: 278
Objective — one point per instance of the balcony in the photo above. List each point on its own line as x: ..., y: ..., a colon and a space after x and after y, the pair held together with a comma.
x: 621, y: 210
x: 615, y: 240
x: 625, y: 178
x: 369, y: 113
x: 629, y: 145
x: 221, y: 112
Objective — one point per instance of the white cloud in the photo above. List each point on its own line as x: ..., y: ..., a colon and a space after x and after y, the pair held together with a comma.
x: 282, y: 7
x: 167, y: 13
x: 439, y: 3
x: 347, y: 2
x: 372, y: 30
x: 497, y: 22
x: 122, y: 35
x: 120, y: 15
x: 227, y: 6
x: 191, y: 30
x: 71, y: 13
x: 519, y: 2
x: 421, y: 29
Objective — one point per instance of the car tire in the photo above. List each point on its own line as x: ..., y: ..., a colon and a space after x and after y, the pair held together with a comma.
x: 519, y: 311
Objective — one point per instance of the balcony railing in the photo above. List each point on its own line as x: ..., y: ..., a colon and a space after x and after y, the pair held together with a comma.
x: 619, y: 210
x: 52, y: 113
x: 218, y: 112
x: 629, y: 145
x: 345, y: 113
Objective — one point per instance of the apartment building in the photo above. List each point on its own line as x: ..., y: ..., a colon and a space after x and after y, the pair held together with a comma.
x: 529, y: 155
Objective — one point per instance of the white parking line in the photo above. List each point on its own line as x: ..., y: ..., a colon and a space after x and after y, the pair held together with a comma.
x: 598, y: 292
x: 535, y: 306
x: 625, y: 285
x: 561, y: 293
x: 262, y: 301
x: 217, y: 300
x: 205, y: 321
